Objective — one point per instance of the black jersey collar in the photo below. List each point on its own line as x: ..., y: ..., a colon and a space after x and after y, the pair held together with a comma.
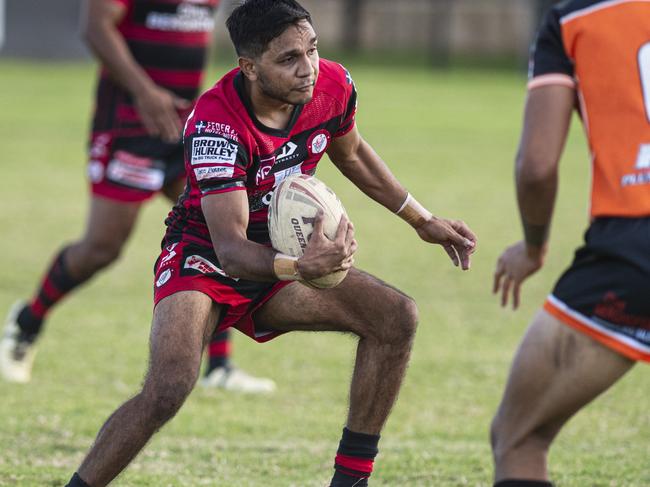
x: 241, y: 91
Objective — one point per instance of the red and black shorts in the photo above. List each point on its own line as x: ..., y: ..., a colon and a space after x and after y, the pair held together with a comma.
x: 132, y: 169
x: 185, y: 266
x: 125, y: 163
x: 605, y: 293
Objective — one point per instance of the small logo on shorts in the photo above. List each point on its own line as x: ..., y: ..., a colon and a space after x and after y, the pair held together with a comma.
x: 164, y: 277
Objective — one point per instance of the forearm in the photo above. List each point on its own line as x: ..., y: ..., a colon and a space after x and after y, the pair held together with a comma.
x: 247, y: 260
x: 536, y: 199
x: 372, y: 176
x: 112, y: 51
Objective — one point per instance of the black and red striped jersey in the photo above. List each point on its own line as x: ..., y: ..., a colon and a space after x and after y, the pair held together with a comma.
x: 602, y: 49
x: 228, y: 149
x: 170, y: 40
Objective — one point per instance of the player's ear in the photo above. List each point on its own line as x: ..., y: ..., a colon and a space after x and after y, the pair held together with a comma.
x: 247, y: 66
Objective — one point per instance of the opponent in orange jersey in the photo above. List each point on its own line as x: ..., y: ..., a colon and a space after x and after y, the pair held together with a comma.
x: 594, y: 55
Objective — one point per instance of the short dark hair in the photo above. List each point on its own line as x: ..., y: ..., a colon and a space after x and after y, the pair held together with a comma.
x: 255, y: 23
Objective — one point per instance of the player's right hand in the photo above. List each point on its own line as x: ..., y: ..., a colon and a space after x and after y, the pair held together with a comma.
x: 323, y: 256
x: 158, y: 110
x: 516, y: 263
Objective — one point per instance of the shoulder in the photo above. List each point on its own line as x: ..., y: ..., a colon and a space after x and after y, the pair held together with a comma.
x: 219, y: 111
x: 334, y: 77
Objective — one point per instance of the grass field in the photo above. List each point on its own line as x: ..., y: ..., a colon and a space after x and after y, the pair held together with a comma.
x: 450, y: 138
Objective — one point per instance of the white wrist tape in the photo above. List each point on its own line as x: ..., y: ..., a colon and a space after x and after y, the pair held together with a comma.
x: 285, y: 267
x: 413, y: 212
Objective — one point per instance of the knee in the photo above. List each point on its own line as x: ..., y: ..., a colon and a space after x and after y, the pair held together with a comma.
x: 398, y: 326
x: 162, y: 401
x: 508, y: 442
x: 100, y: 254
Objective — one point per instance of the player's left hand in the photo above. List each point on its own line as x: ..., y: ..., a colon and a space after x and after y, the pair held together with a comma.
x: 516, y: 263
x: 455, y: 237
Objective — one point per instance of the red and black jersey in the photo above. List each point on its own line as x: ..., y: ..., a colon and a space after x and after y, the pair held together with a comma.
x: 170, y: 40
x: 228, y: 149
x: 602, y: 48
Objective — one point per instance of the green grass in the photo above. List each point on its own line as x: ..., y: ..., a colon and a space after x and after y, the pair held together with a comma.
x: 450, y: 137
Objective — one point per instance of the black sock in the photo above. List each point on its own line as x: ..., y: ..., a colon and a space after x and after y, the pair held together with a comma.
x: 219, y: 351
x: 523, y: 483
x: 354, y: 459
x: 76, y: 481
x: 56, y: 284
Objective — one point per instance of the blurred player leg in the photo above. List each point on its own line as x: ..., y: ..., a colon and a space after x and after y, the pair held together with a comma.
x: 109, y: 226
x: 556, y: 371
x: 384, y: 319
x: 182, y: 325
x: 222, y: 374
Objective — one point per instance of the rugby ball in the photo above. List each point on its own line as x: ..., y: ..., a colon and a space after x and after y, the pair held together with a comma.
x: 292, y: 211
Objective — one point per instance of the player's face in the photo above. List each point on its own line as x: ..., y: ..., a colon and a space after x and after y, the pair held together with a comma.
x: 288, y: 69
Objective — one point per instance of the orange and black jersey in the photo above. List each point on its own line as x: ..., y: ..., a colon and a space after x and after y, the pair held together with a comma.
x: 228, y: 149
x: 602, y: 49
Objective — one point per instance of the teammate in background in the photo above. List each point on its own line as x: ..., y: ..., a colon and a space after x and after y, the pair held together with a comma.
x: 153, y: 57
x: 596, y: 322
x: 274, y: 116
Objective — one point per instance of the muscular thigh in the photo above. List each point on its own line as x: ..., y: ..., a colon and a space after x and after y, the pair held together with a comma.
x: 353, y: 305
x: 556, y: 371
x: 182, y: 325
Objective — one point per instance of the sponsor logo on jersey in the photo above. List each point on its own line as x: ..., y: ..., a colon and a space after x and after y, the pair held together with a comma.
x: 285, y: 173
x: 188, y: 18
x: 642, y: 163
x: 213, y: 150
x: 287, y: 150
x: 265, y: 168
x: 204, y: 266
x: 210, y: 172
x: 643, y: 158
x: 164, y: 277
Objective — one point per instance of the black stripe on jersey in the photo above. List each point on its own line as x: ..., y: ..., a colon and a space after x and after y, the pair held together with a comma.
x: 217, y: 186
x: 171, y: 57
x: 239, y: 87
x: 352, y: 105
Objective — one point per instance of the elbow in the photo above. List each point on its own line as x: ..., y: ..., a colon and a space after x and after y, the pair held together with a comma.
x: 228, y: 263
x: 533, y: 170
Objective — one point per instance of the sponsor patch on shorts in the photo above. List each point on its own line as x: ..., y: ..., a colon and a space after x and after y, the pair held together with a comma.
x: 203, y: 265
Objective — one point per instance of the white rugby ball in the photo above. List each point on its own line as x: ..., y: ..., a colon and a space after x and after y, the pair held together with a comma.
x: 292, y: 211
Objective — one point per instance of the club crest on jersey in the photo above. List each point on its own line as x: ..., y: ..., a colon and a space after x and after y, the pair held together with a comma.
x: 318, y: 142
x: 213, y: 150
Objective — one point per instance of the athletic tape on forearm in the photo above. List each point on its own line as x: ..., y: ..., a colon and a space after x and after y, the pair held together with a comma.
x: 285, y: 267
x: 413, y: 212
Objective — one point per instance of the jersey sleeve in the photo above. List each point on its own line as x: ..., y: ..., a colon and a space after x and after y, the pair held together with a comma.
x: 350, y: 101
x: 549, y: 61
x: 215, y: 157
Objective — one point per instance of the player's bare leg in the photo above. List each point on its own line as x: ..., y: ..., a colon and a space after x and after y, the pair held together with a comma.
x: 109, y: 225
x: 182, y: 324
x: 556, y: 372
x: 384, y: 320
